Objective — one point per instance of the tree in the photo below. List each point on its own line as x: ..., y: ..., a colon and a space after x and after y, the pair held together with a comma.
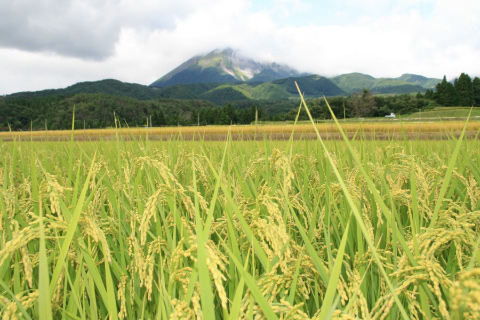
x: 362, y: 104
x: 240, y: 114
x: 316, y: 111
x: 194, y: 117
x: 476, y: 91
x: 209, y: 116
x: 429, y: 94
x: 261, y: 113
x: 223, y: 118
x: 230, y: 113
x: 445, y: 93
x: 158, y: 118
x: 464, y: 90
x: 253, y: 113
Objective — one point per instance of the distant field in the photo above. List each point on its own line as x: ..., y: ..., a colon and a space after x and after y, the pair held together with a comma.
x: 279, y: 131
x: 427, y: 124
x: 444, y: 112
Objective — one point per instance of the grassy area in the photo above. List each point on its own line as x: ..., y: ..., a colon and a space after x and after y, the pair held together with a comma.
x: 305, y: 229
x: 447, y: 112
x: 240, y: 229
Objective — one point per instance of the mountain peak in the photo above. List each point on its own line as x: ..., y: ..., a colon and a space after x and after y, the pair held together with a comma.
x: 224, y: 65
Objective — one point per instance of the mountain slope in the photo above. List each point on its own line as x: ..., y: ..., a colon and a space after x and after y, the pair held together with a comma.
x: 311, y: 86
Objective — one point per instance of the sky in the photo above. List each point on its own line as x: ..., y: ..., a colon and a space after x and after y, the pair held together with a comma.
x: 46, y: 44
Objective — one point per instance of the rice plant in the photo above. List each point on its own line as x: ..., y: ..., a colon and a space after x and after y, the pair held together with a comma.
x: 304, y: 229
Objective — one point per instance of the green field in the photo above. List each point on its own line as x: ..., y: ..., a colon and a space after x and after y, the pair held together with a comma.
x: 240, y: 229
x: 446, y: 112
x: 257, y: 229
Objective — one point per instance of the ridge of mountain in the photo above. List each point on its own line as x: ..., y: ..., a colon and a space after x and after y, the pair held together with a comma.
x: 106, y: 86
x: 406, y: 83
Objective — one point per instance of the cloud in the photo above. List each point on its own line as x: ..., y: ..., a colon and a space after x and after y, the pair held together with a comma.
x: 58, y: 43
x: 87, y: 29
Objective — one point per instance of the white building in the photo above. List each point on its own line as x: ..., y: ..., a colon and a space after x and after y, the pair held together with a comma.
x: 391, y: 115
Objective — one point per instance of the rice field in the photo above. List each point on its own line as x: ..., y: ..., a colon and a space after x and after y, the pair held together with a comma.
x: 296, y: 229
x: 380, y: 128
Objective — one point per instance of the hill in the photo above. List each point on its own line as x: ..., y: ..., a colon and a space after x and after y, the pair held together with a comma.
x: 407, y: 83
x: 107, y: 86
x: 353, y: 82
x: 428, y: 83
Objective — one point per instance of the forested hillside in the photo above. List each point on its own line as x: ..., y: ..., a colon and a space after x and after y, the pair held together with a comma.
x: 93, y: 111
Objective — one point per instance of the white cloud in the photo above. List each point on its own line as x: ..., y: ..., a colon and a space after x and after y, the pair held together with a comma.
x: 83, y: 28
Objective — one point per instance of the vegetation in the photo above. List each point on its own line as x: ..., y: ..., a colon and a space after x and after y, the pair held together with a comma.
x: 364, y: 104
x: 240, y: 230
x: 405, y: 84
x: 108, y: 86
x: 93, y: 111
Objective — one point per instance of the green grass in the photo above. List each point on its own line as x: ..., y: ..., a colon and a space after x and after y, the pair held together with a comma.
x: 299, y: 229
x: 446, y: 112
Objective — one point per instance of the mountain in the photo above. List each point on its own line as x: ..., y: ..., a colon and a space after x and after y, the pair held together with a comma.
x: 220, y: 66
x: 107, y: 86
x: 428, y: 83
x: 353, y: 82
x: 407, y: 83
x: 228, y: 67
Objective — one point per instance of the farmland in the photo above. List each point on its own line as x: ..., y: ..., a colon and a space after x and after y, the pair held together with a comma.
x: 241, y: 229
x: 414, y: 128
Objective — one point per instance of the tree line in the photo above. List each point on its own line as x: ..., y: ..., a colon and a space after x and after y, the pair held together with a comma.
x: 100, y: 110
x: 362, y: 104
x: 462, y: 92
x: 212, y: 116
x: 96, y: 110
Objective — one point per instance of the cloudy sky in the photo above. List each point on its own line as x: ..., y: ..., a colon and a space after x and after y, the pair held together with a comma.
x: 56, y: 43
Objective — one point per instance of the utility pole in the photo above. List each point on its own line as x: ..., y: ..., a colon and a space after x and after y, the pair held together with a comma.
x: 420, y: 122
x: 256, y: 122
